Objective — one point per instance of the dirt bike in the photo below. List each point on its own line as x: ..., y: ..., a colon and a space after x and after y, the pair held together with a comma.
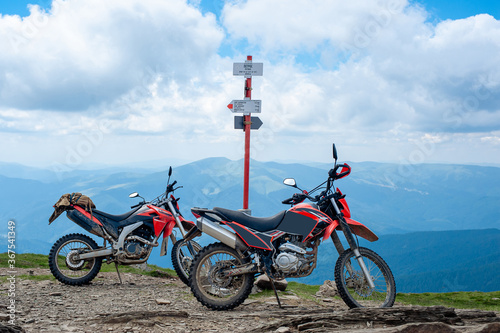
x: 286, y: 246
x: 75, y: 259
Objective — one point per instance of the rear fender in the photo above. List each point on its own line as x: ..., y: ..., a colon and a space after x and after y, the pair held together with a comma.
x: 357, y: 228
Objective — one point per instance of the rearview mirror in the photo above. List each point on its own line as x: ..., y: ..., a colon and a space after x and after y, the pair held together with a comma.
x: 290, y: 182
x: 133, y: 195
x: 170, y: 171
x: 334, y: 152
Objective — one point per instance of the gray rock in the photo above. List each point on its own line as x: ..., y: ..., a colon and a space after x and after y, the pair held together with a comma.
x: 283, y: 329
x: 327, y: 290
x: 8, y: 328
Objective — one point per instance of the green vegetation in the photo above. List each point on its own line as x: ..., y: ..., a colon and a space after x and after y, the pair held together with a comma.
x: 30, y: 260
x: 304, y: 291
x: 27, y: 260
x: 461, y: 300
x: 155, y: 271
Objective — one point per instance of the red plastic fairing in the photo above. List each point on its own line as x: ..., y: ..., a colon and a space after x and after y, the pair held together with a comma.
x: 329, y: 229
x: 159, y: 222
x: 345, y: 210
x: 356, y: 227
x: 168, y: 229
x: 87, y: 215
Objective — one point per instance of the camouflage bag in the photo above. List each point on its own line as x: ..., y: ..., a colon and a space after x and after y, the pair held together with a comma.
x: 67, y: 200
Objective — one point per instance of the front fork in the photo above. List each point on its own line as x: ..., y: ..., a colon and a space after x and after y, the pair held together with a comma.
x: 180, y: 226
x: 352, y: 244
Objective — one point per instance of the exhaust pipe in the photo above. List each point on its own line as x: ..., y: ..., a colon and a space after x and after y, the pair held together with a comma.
x: 224, y: 235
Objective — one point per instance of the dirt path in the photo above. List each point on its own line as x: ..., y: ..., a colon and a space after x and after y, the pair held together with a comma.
x: 148, y: 304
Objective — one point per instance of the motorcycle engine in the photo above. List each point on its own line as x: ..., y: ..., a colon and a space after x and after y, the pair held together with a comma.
x: 291, y: 258
x: 136, y: 249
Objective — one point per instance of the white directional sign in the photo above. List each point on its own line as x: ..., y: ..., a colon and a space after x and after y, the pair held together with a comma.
x: 245, y: 106
x: 248, y: 68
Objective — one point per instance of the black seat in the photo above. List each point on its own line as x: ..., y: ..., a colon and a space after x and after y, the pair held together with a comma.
x: 257, y: 223
x: 116, y: 218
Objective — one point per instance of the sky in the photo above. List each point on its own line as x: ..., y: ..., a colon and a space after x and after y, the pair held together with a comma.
x: 91, y: 82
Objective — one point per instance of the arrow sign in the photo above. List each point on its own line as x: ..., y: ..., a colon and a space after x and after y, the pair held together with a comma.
x: 256, y: 123
x: 245, y: 106
x: 248, y: 68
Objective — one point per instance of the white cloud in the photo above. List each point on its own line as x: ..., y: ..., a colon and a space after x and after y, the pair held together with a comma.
x: 399, y: 69
x: 291, y: 25
x: 152, y: 72
x: 84, y: 52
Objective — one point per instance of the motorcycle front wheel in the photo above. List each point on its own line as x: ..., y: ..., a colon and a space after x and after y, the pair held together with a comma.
x: 64, y: 265
x: 352, y: 285
x: 182, y: 258
x: 208, y: 283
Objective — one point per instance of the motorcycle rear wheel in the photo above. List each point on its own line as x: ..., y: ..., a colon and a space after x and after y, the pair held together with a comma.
x: 182, y: 258
x: 68, y: 270
x: 210, y: 287
x: 352, y: 285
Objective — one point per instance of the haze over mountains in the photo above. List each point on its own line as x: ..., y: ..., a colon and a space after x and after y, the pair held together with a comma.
x: 408, y: 206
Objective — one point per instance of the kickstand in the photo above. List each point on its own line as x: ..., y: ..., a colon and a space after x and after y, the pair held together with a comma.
x: 117, y: 271
x: 275, y: 292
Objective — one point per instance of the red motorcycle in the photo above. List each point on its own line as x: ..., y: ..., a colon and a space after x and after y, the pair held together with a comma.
x: 286, y: 246
x: 75, y: 259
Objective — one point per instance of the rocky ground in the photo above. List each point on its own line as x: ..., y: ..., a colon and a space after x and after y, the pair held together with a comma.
x: 148, y: 304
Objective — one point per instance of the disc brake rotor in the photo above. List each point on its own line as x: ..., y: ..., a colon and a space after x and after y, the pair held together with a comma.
x: 73, y: 264
x: 186, y: 262
x: 360, y: 286
x: 216, y: 277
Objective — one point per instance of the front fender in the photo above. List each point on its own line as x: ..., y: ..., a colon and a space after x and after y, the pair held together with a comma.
x: 357, y: 228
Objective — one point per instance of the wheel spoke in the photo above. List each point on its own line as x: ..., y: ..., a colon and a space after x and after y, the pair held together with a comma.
x: 211, y: 286
x: 353, y: 286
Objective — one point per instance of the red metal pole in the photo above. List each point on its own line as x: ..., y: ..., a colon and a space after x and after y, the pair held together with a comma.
x: 247, y: 122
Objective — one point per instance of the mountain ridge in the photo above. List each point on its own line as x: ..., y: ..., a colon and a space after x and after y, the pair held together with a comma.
x: 387, y: 200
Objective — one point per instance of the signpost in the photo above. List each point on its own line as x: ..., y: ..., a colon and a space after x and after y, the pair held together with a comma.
x: 247, y: 106
x: 248, y: 68
x: 244, y: 106
x: 239, y: 122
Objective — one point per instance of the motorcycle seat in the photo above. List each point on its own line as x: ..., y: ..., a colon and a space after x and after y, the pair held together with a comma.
x: 115, y: 218
x: 262, y: 224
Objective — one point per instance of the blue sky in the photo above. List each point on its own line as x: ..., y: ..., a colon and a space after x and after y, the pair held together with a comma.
x: 440, y: 9
x: 92, y: 82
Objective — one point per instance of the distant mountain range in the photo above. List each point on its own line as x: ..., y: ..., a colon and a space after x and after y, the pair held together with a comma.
x: 401, y: 203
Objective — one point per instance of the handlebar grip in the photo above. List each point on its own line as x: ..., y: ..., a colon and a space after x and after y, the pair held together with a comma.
x: 287, y: 201
x: 175, y: 182
x: 132, y: 207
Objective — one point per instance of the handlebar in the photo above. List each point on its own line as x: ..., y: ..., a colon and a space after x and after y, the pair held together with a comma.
x: 297, y: 198
x: 139, y: 204
x: 334, y: 175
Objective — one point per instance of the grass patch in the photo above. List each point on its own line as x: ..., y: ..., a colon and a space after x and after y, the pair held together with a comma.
x: 461, y: 300
x: 25, y: 260
x: 303, y: 291
x: 155, y: 271
x: 30, y: 260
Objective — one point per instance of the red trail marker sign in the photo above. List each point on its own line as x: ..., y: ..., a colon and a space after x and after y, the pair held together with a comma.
x: 247, y: 106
